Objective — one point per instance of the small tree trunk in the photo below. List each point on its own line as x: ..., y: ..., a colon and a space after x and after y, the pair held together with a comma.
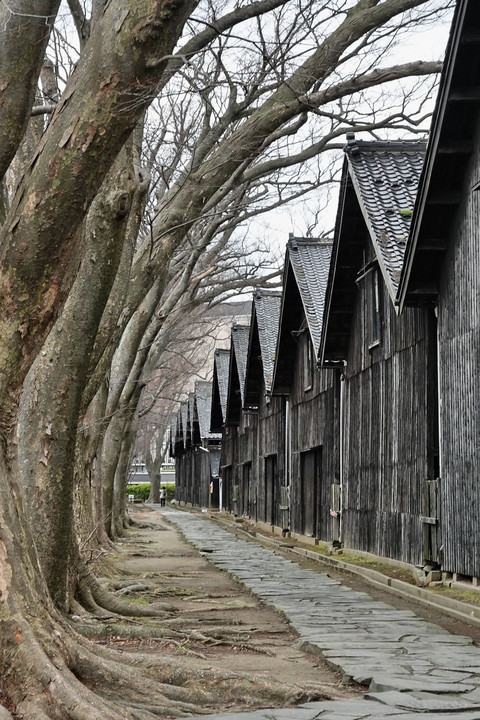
x: 88, y: 507
x: 20, y: 65
x: 121, y: 478
x: 107, y: 466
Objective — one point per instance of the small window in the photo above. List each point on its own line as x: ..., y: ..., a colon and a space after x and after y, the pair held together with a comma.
x: 308, y: 363
x: 375, y: 305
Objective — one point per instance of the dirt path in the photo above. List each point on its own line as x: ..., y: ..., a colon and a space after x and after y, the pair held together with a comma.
x: 244, y: 635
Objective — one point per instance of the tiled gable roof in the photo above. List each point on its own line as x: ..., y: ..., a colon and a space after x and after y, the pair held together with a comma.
x: 222, y: 364
x: 452, y: 147
x: 310, y: 260
x: 267, y: 311
x: 385, y: 176
x: 203, y: 401
x: 240, y: 335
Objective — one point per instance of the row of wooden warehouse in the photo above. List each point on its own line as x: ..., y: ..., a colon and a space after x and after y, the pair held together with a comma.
x: 349, y: 409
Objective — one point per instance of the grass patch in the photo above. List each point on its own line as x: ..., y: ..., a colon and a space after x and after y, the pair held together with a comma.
x: 398, y: 573
x: 472, y: 597
x: 322, y: 548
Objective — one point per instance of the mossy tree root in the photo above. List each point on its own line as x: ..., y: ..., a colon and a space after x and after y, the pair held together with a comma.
x: 89, y: 587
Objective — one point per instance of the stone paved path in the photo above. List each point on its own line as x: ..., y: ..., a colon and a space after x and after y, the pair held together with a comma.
x: 412, y: 668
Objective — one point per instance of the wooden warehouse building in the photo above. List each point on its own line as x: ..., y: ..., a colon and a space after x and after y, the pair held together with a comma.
x: 196, y: 450
x: 221, y: 371
x: 311, y: 395
x: 261, y: 481
x: 388, y: 433
x: 363, y: 424
x: 442, y: 271
x: 239, y: 439
x: 180, y: 446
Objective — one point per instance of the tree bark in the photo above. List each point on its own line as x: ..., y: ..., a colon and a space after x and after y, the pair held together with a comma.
x: 53, y: 389
x: 154, y: 466
x: 98, y: 110
x: 92, y: 122
x: 89, y: 505
x: 20, y: 65
x: 121, y: 479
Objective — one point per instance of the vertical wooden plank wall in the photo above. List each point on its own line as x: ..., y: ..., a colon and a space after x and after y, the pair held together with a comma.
x: 459, y: 383
x: 228, y: 459
x: 271, y: 441
x: 246, y: 452
x: 314, y: 423
x: 390, y: 409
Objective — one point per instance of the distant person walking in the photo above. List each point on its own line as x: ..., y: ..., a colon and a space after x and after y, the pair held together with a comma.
x: 163, y: 497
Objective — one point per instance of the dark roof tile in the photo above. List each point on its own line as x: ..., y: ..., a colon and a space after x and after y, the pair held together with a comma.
x: 310, y: 260
x: 222, y: 365
x: 240, y: 335
x: 267, y: 311
x: 385, y: 176
x: 203, y: 401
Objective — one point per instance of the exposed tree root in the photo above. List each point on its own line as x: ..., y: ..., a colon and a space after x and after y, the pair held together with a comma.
x: 51, y: 691
x: 115, y: 628
x: 87, y: 602
x: 191, y: 688
x: 112, y: 603
x: 146, y: 525
x: 138, y: 587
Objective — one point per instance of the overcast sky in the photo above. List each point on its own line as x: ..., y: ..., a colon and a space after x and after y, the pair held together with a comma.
x: 428, y: 44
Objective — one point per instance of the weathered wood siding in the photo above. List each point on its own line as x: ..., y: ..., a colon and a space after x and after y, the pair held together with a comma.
x: 390, y: 415
x: 314, y: 425
x: 459, y: 383
x: 228, y: 464
x: 271, y: 444
x: 193, y: 476
x: 246, y: 453
x: 180, y: 476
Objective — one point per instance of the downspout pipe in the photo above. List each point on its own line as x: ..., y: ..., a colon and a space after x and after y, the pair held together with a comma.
x: 341, y: 442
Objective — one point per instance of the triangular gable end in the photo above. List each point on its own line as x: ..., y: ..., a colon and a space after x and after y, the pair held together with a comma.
x: 379, y: 181
x: 452, y: 142
x: 261, y: 345
x: 305, y: 275
x: 236, y: 375
x: 202, y: 409
x: 219, y: 390
x: 385, y: 177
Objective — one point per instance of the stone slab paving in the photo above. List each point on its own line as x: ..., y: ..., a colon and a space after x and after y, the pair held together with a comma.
x: 412, y: 668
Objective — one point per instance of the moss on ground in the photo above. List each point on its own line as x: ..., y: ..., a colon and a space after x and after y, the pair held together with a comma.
x: 139, y: 601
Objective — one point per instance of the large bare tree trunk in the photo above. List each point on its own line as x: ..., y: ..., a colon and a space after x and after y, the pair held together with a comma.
x: 97, y: 112
x: 93, y: 121
x: 54, y: 386
x: 90, y: 515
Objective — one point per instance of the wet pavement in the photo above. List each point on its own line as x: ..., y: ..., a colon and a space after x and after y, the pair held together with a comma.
x: 412, y: 668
